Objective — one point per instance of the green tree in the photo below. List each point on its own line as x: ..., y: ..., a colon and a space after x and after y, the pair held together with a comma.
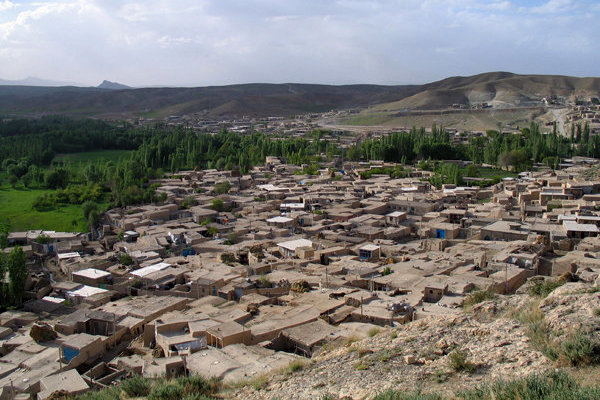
x: 88, y: 207
x: 472, y: 171
x: 17, y: 274
x: 217, y: 204
x: 12, y: 179
x: 222, y: 187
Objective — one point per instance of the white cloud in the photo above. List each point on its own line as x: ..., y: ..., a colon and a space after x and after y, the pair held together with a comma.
x: 193, y: 42
x: 553, y: 7
x: 7, y: 5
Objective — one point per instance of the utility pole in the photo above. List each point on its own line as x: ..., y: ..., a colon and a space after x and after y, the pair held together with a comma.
x: 59, y: 361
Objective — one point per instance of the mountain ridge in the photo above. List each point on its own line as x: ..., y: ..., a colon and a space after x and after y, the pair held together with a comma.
x: 498, y: 89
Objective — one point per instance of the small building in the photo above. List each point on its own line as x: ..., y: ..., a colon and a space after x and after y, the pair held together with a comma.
x: 281, y: 222
x: 444, y: 230
x: 432, y: 293
x: 228, y: 333
x: 81, y: 348
x: 306, y: 338
x: 369, y: 252
x: 395, y: 218
x: 92, y: 277
x: 579, y: 231
x: 69, y: 381
x: 288, y: 249
x: 201, y: 214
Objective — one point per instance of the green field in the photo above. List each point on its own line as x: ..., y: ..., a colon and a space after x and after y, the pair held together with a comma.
x: 16, y: 203
x: 16, y: 210
x: 106, y: 155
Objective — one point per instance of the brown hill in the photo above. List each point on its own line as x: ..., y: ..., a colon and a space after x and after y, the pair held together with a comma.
x: 500, y: 89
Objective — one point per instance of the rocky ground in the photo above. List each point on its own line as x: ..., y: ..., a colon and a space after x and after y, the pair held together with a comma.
x: 442, y: 354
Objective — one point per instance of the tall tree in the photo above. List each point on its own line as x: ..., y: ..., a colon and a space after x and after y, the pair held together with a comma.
x: 17, y: 274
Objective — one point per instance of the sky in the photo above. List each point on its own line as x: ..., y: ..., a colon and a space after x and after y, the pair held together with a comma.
x: 217, y: 42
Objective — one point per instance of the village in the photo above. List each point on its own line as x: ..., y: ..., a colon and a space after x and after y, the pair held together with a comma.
x: 235, y: 276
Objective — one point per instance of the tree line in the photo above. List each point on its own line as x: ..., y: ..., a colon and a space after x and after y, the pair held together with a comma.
x: 28, y: 147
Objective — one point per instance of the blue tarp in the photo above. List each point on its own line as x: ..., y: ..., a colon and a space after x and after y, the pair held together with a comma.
x: 70, y: 353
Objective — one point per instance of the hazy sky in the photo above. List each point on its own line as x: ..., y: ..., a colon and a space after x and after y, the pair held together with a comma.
x: 204, y: 42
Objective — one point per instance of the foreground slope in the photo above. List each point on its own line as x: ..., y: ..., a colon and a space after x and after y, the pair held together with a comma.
x: 497, y: 338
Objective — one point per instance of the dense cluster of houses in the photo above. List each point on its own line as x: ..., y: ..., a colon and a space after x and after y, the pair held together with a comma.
x: 234, y: 285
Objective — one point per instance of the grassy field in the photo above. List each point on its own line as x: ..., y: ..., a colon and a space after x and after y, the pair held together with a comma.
x: 16, y: 203
x: 16, y: 210
x: 82, y: 158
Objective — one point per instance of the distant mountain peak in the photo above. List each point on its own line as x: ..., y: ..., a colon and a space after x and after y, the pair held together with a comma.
x: 112, y: 85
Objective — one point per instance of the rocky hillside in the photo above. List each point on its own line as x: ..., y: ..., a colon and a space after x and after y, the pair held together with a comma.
x: 505, y: 338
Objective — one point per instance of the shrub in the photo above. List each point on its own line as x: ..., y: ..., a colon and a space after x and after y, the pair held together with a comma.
x: 386, y: 271
x: 361, y: 366
x: 217, y: 205
x: 363, y: 351
x: 207, y: 221
x: 228, y: 258
x: 233, y: 238
x: 350, y: 340
x: 43, y: 239
x: 110, y: 393
x: 477, y: 297
x: 458, y: 361
x: 126, y: 259
x: 542, y: 288
x: 373, y: 331
x: 136, y: 386
x: 296, y: 365
x: 580, y: 349
x: 166, y: 391
x: 44, y: 202
x: 402, y: 395
x: 199, y: 385
x: 554, y: 385
x: 189, y: 202
x: 222, y: 187
x: 263, y: 281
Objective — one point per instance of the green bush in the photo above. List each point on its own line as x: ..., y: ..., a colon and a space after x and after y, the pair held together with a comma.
x: 217, y: 205
x: 296, y: 365
x: 222, y: 187
x: 166, y: 391
x: 403, y: 395
x: 198, y: 385
x: 543, y: 288
x: 550, y: 386
x: 580, y: 349
x: 110, y: 393
x: 373, y: 331
x: 136, y: 386
x: 554, y: 385
x: 126, y: 259
x: 477, y: 297
x: 458, y: 361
